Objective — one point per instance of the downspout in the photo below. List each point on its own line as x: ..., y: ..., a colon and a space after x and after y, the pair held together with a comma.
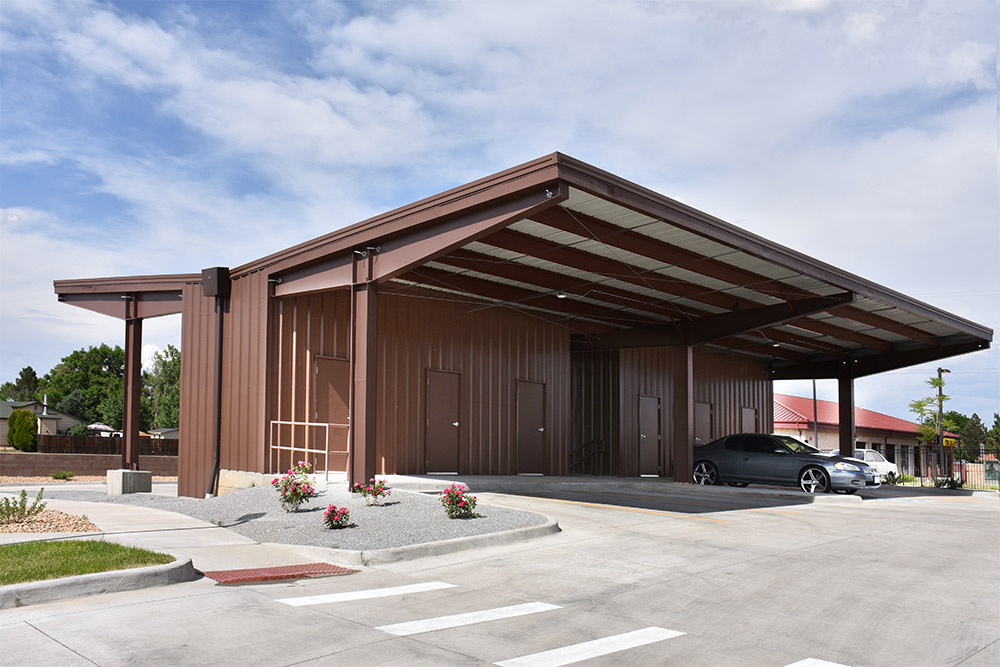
x: 215, y: 282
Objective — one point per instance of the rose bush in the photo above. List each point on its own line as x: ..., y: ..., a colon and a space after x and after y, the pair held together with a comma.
x: 373, y: 491
x: 457, y: 504
x: 294, y: 487
x: 336, y: 517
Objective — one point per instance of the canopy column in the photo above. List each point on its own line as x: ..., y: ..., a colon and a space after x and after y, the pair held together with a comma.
x: 364, y: 367
x: 133, y: 393
x: 845, y: 408
x: 682, y: 424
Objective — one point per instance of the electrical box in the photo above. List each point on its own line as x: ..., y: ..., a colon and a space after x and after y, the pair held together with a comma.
x: 215, y: 281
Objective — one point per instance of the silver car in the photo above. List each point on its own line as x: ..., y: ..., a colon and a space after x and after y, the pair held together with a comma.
x: 756, y: 458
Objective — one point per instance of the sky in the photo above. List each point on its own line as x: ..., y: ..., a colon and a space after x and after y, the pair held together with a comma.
x: 166, y: 137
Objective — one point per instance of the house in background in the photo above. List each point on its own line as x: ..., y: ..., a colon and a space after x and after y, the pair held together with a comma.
x: 549, y: 319
x: 894, y: 438
x: 50, y: 420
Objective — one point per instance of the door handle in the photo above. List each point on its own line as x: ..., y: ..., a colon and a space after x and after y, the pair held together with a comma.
x: 541, y: 430
x: 454, y: 423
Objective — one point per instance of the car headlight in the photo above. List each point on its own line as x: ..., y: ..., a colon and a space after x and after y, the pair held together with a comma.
x: 843, y: 465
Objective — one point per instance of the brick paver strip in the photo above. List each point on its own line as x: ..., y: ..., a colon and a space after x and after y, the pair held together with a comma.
x: 273, y: 573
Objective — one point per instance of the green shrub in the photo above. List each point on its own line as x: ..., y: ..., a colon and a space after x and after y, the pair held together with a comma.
x: 62, y: 474
x: 22, y: 429
x: 948, y: 483
x: 79, y: 430
x: 14, y: 511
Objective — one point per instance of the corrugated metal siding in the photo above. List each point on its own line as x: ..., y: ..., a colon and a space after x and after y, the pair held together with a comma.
x: 194, y: 464
x: 304, y: 327
x: 595, y: 414
x: 731, y: 382
x: 492, y: 349
x: 646, y: 371
x: 244, y: 375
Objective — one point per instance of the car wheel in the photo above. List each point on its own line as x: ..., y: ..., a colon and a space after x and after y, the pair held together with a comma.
x: 705, y: 473
x: 814, y: 480
x: 847, y: 491
x: 742, y: 485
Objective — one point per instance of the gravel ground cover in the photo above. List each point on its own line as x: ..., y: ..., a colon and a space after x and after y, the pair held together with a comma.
x: 404, y: 517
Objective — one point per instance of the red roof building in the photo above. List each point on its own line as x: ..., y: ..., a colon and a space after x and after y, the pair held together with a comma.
x: 895, y: 438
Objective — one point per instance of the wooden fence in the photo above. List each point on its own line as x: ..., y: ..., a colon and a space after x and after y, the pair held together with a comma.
x: 69, y: 444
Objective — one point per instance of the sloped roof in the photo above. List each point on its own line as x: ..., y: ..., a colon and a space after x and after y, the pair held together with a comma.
x: 791, y: 410
x: 615, y: 264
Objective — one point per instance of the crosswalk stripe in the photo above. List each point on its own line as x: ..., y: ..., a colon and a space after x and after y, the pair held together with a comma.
x: 458, y: 620
x: 592, y: 649
x: 813, y: 662
x: 366, y: 594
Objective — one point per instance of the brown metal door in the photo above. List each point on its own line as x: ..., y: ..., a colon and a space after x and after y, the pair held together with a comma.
x: 442, y: 423
x: 530, y: 427
x: 702, y: 423
x: 332, y: 405
x: 649, y: 435
x: 748, y: 420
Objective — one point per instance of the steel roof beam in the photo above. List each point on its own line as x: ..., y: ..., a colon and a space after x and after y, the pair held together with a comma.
x: 713, y: 327
x: 870, y: 365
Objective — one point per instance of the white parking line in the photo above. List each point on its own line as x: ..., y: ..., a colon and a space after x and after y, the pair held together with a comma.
x: 458, y: 620
x: 813, y: 662
x: 364, y: 595
x: 592, y: 649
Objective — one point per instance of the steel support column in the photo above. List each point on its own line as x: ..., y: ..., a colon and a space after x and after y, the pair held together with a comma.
x: 133, y: 392
x: 364, y: 368
x: 682, y: 422
x: 845, y: 408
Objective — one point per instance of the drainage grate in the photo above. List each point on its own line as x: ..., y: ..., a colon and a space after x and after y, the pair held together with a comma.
x: 275, y: 573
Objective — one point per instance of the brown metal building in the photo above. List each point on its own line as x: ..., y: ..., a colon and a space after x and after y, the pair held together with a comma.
x: 549, y: 319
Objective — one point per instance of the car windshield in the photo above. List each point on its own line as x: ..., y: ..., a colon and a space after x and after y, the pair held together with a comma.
x: 796, y: 446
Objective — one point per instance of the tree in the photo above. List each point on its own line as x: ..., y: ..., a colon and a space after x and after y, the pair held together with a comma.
x: 72, y: 404
x: 993, y: 437
x: 163, y: 383
x: 22, y: 430
x: 94, y: 372
x: 112, y: 410
x: 25, y: 388
x: 79, y: 430
x: 973, y: 434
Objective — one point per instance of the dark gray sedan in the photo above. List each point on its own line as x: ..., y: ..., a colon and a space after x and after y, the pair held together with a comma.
x: 756, y: 458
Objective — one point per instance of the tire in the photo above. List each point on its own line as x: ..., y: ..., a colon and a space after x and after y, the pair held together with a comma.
x: 814, y: 480
x: 705, y: 473
x: 741, y: 485
x: 847, y: 492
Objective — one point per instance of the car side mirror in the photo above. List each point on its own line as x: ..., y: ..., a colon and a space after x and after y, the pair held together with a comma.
x: 780, y: 450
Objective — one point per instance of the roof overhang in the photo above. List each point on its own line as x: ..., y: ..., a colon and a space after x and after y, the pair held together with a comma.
x: 617, y: 265
x: 127, y: 297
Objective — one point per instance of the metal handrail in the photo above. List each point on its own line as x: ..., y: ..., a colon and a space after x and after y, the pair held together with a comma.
x: 586, y: 458
x: 326, y: 452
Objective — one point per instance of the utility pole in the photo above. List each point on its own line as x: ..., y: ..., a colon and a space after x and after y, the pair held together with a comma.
x: 940, y: 416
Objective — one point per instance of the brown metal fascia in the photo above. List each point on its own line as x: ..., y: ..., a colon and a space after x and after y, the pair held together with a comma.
x: 126, y: 284
x: 420, y: 244
x: 630, y: 195
x: 525, y: 177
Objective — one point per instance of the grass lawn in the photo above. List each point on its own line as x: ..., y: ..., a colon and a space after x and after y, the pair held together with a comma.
x: 37, y: 561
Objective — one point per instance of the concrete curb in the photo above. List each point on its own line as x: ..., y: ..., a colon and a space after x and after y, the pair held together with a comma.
x: 424, y: 550
x: 52, y: 590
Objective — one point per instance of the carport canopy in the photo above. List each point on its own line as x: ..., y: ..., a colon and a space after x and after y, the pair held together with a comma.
x: 618, y: 266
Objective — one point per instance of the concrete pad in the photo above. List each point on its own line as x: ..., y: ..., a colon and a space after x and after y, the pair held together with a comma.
x: 121, y: 482
x: 44, y: 649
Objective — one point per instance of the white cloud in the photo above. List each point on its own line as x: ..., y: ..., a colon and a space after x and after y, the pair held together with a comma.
x: 806, y: 121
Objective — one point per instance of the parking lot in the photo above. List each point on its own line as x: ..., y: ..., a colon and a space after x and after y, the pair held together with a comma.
x: 695, y: 576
